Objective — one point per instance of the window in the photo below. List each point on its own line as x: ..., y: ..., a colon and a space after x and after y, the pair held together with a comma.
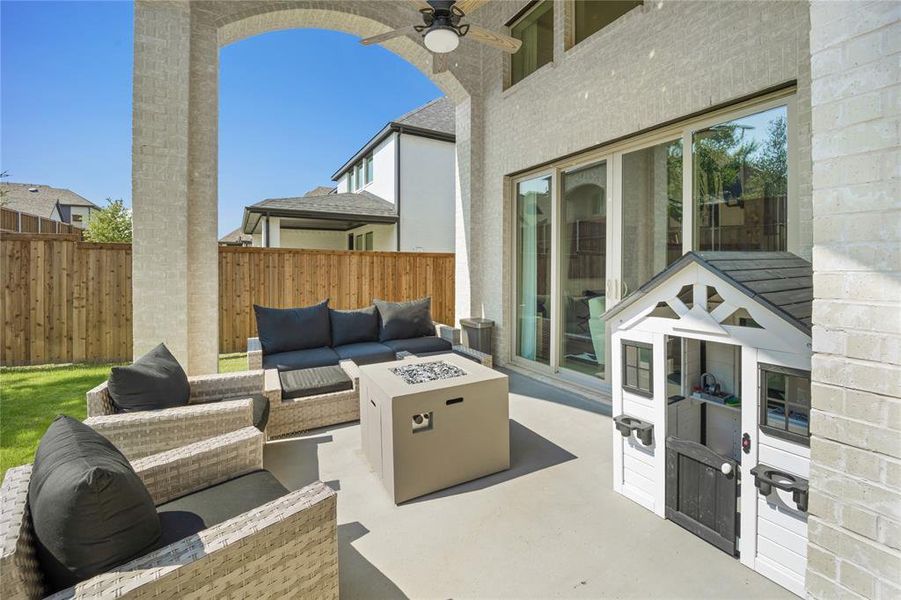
x: 785, y: 403
x: 368, y: 171
x: 741, y: 183
x: 350, y: 180
x: 358, y: 176
x: 592, y: 16
x: 533, y: 269
x: 350, y: 241
x: 536, y: 32
x: 76, y: 218
x: 368, y: 241
x: 637, y: 368
x: 652, y: 211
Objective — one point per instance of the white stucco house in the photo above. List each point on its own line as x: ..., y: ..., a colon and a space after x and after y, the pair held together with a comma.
x: 57, y: 204
x: 396, y: 193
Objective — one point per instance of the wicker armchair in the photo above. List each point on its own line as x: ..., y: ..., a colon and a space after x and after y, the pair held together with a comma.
x: 287, y: 547
x: 139, y: 434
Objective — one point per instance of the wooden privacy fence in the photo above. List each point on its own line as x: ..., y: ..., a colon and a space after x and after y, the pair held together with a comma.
x: 284, y: 277
x: 18, y: 222
x: 65, y: 300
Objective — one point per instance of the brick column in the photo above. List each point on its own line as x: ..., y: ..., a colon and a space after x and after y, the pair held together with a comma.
x: 854, y: 536
x: 467, y: 205
x: 174, y: 272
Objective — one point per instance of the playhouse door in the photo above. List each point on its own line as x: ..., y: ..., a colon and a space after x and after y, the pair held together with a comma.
x: 701, y: 492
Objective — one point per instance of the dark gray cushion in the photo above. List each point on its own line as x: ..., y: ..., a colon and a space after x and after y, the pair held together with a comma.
x: 90, y: 510
x: 216, y: 504
x: 365, y: 353
x: 260, y: 409
x: 312, y: 382
x: 420, y: 345
x: 287, y: 329
x: 354, y: 326
x: 300, y: 359
x: 403, y: 320
x: 154, y: 381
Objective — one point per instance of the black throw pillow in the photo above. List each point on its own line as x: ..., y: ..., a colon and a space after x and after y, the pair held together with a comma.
x: 403, y: 320
x: 90, y: 510
x: 287, y: 329
x: 354, y: 326
x: 154, y: 381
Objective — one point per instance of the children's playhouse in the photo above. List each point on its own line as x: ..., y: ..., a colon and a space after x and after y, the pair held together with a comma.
x: 711, y: 403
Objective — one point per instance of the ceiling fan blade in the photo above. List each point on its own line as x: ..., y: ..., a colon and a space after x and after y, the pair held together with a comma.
x: 384, y: 37
x: 495, y: 40
x: 439, y: 63
x: 420, y: 4
x: 467, y: 6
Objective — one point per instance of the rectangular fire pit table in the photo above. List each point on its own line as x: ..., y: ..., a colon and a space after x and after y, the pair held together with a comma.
x: 428, y: 423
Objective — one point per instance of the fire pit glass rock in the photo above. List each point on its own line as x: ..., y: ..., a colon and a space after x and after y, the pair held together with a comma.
x: 425, y: 372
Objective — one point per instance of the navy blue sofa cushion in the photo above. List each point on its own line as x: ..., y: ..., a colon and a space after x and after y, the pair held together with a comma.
x: 419, y: 345
x: 365, y: 353
x: 403, y: 320
x: 354, y: 326
x: 300, y: 359
x: 287, y: 329
x: 90, y: 510
x: 152, y: 382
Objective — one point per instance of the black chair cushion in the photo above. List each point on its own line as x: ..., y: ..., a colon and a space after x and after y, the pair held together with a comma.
x: 90, y: 510
x: 301, y: 359
x: 365, y: 353
x: 211, y: 506
x: 354, y: 326
x: 260, y: 409
x: 403, y: 320
x: 312, y: 382
x: 420, y: 345
x: 154, y: 381
x: 287, y: 329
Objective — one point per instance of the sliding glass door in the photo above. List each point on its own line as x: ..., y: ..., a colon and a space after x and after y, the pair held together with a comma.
x: 583, y: 269
x: 534, y: 299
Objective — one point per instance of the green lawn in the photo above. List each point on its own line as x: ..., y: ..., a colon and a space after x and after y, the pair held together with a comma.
x: 30, y: 397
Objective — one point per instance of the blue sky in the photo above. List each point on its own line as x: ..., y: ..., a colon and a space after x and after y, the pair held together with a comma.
x: 294, y: 105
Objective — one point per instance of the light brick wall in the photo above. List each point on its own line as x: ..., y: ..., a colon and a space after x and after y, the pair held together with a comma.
x: 660, y: 62
x: 855, y: 506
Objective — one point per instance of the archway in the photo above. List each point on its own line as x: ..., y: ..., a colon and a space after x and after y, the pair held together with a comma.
x: 175, y: 152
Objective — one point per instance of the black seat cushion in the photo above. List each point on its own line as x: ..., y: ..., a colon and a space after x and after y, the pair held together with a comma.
x: 152, y: 382
x: 260, y: 409
x: 419, y: 345
x: 365, y: 353
x: 287, y: 329
x: 90, y: 510
x: 403, y: 320
x: 354, y: 326
x: 312, y: 382
x: 300, y: 359
x: 211, y: 506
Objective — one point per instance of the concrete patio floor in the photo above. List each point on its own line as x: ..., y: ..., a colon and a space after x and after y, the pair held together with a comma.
x: 551, y: 526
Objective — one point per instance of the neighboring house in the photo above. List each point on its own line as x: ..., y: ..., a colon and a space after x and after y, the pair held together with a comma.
x: 57, y: 204
x: 236, y: 238
x: 395, y: 193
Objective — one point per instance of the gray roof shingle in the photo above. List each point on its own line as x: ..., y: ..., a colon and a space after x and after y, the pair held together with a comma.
x: 437, y: 115
x: 40, y: 200
x: 236, y: 237
x: 779, y: 281
x: 345, y: 204
x: 320, y: 190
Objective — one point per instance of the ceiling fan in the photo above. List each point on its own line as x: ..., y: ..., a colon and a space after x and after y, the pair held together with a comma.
x: 441, y: 29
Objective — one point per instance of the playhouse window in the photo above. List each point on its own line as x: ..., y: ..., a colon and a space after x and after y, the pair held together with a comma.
x: 637, y: 367
x: 785, y: 403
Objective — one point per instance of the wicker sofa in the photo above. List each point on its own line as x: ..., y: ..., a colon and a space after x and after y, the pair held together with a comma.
x: 139, y: 434
x: 286, y: 547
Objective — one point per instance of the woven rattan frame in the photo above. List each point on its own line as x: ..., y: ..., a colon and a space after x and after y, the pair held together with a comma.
x: 286, y: 548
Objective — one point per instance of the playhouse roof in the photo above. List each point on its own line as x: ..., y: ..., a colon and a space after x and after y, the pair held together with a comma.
x: 779, y: 281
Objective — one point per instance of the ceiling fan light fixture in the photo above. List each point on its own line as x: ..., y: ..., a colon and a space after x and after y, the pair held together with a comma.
x: 441, y: 40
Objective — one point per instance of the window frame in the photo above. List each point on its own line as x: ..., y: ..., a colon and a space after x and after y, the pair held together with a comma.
x: 368, y: 170
x: 785, y: 434
x: 638, y: 391
x: 570, y: 40
x: 524, y: 12
x: 368, y: 241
